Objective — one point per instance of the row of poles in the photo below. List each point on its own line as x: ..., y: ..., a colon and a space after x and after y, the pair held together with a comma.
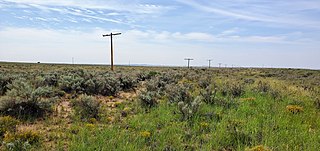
x: 209, y: 62
x: 115, y: 34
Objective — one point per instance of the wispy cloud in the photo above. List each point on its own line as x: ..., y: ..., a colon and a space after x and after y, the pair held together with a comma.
x: 125, y: 13
x: 123, y: 6
x: 274, y: 12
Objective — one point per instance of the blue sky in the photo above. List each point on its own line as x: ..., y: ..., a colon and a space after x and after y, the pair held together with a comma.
x: 246, y: 33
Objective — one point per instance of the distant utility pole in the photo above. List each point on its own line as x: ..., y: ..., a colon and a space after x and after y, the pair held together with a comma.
x: 111, y: 34
x: 220, y: 65
x: 188, y: 61
x: 209, y: 62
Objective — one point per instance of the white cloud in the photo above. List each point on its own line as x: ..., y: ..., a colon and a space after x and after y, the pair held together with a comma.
x: 136, y: 46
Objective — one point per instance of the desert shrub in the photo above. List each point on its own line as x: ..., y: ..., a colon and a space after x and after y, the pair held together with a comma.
x: 102, y: 84
x: 20, y: 88
x: 275, y: 94
x: 188, y: 110
x: 51, y: 79
x: 143, y: 76
x: 209, y: 95
x: 108, y: 86
x: 21, y: 141
x: 90, y: 87
x: 155, y: 85
x: 69, y: 83
x: 47, y: 92
x: 263, y: 87
x: 38, y: 81
x: 17, y: 145
x: 249, y: 81
x: 127, y: 82
x: 158, y: 84
x: 86, y: 107
x: 232, y: 89
x: 224, y: 90
x: 7, y: 124
x: 148, y: 99
x: 317, y: 103
x: 4, y: 81
x: 236, y: 89
x: 177, y: 93
x: 22, y: 101
x: 25, y: 108
x: 204, y: 82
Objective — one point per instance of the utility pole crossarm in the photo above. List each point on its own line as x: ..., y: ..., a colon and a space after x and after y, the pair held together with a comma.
x: 111, y: 34
x: 188, y: 61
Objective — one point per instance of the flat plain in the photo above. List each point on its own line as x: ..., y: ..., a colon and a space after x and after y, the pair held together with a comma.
x: 89, y: 107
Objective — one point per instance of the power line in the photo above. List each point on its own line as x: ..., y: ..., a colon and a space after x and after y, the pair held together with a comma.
x: 111, y: 34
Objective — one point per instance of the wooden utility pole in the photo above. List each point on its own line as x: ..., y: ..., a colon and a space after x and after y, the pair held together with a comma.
x: 209, y: 62
x: 188, y: 61
x: 111, y: 34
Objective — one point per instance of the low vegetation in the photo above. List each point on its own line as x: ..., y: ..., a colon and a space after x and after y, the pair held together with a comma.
x: 78, y: 107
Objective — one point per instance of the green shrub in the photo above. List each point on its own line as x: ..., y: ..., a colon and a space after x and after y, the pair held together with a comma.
x: 25, y: 108
x: 189, y: 110
x: 108, y: 86
x: 90, y: 87
x: 127, y: 82
x: 4, y: 82
x: 249, y: 81
x: 263, y: 87
x: 22, y: 101
x: 20, y: 88
x: 236, y: 89
x: 143, y: 76
x: 17, y: 145
x: 177, y: 93
x: 148, y: 99
x: 7, y: 124
x: 317, y: 103
x: 86, y: 107
x: 69, y: 83
x: 47, y: 92
x: 21, y: 141
x: 51, y: 79
x: 209, y: 95
x: 204, y: 82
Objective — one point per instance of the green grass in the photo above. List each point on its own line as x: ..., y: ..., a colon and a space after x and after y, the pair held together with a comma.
x: 265, y: 121
x: 254, y: 119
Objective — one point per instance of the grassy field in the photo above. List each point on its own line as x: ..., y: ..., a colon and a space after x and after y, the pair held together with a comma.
x: 82, y: 107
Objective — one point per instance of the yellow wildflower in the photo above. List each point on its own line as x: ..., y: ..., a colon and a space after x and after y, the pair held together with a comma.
x: 258, y: 148
x: 127, y: 109
x: 89, y: 125
x: 248, y: 99
x: 204, y: 124
x: 145, y: 134
x: 294, y: 108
